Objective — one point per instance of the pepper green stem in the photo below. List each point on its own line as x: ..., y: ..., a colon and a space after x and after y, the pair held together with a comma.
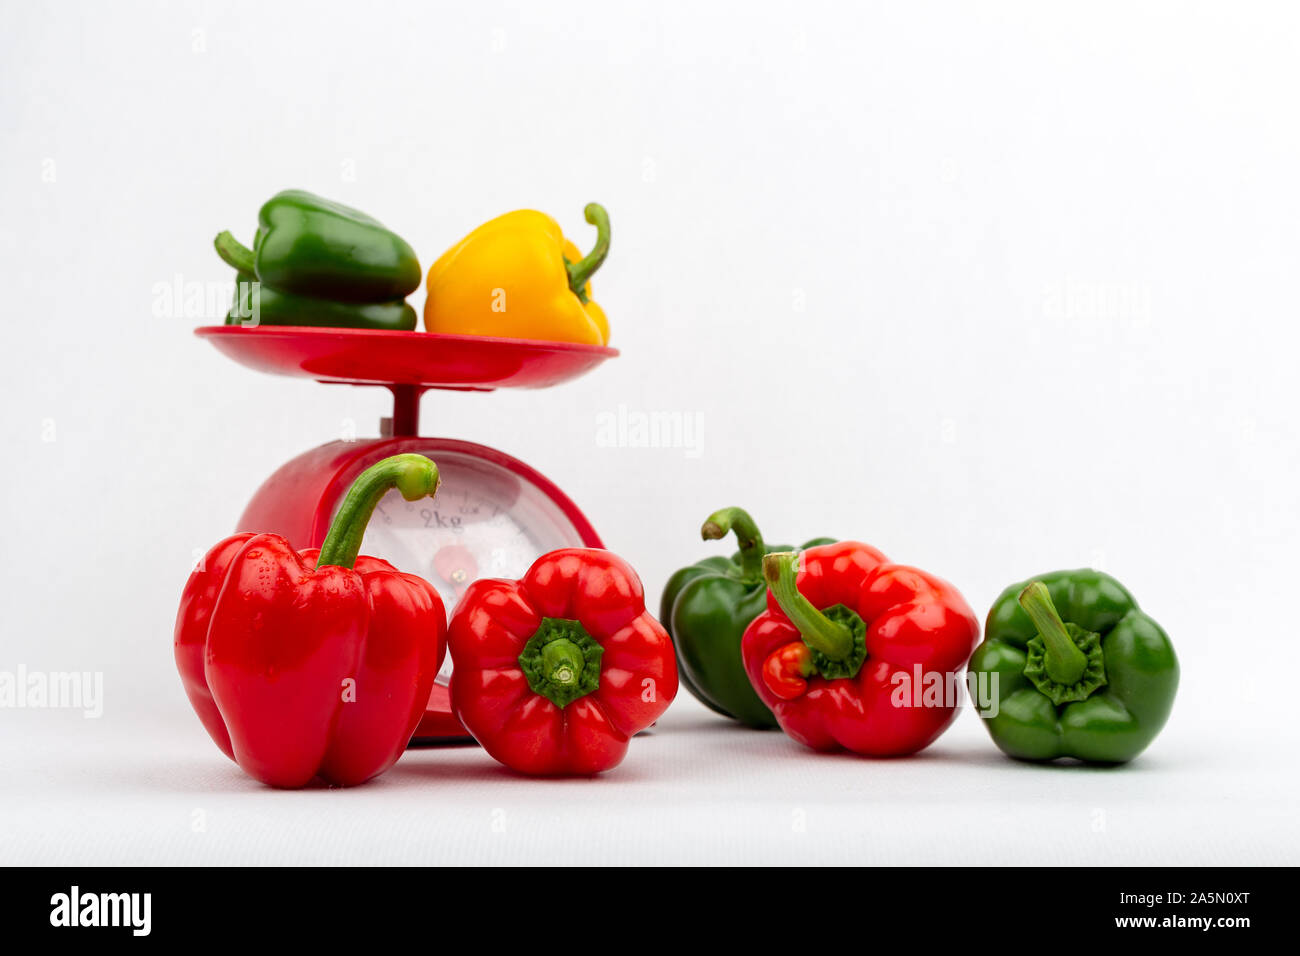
x: 819, y: 632
x: 748, y: 538
x: 235, y: 253
x: 562, y: 662
x: 413, y: 475
x: 1062, y: 658
x: 582, y: 270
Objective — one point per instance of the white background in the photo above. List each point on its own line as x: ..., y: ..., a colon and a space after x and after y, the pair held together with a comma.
x: 1000, y: 288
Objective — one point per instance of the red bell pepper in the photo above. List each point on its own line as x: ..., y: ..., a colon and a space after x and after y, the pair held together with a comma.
x: 313, y: 663
x: 839, y: 651
x: 553, y: 673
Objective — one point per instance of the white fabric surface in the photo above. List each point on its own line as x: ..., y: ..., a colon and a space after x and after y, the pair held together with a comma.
x: 144, y: 790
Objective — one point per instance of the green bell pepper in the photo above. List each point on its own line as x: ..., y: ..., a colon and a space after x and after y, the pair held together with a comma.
x: 705, y: 609
x: 285, y: 308
x: 319, y: 263
x: 1094, y: 680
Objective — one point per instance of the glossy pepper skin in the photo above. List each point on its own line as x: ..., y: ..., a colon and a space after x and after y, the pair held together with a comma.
x: 837, y: 653
x: 554, y: 673
x: 319, y: 263
x: 1080, y: 670
x: 283, y: 308
x: 518, y: 277
x: 313, y: 663
x: 706, y: 607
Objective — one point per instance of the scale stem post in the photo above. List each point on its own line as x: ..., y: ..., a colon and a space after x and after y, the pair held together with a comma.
x: 406, y: 410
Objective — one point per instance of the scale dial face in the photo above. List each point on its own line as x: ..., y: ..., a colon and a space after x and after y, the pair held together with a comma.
x: 484, y: 522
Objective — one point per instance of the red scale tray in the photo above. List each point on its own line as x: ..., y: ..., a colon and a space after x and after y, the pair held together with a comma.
x: 421, y: 359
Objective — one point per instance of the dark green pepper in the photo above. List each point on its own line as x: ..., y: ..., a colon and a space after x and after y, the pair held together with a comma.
x: 1070, y: 667
x: 706, y: 608
x: 285, y: 308
x: 319, y: 263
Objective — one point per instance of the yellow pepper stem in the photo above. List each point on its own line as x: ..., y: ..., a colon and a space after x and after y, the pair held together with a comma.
x: 580, y: 272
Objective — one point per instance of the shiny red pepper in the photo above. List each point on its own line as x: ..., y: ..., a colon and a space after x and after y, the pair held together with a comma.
x: 855, y: 653
x: 313, y: 663
x: 553, y: 673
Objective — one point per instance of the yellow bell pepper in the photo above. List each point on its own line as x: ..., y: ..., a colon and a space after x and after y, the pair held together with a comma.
x: 518, y: 277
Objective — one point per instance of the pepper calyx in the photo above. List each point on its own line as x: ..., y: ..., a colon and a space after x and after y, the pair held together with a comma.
x: 1094, y: 673
x: 561, y: 661
x: 836, y: 635
x: 832, y: 668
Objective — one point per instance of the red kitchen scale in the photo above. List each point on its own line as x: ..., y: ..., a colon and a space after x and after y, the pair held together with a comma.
x: 493, y: 514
